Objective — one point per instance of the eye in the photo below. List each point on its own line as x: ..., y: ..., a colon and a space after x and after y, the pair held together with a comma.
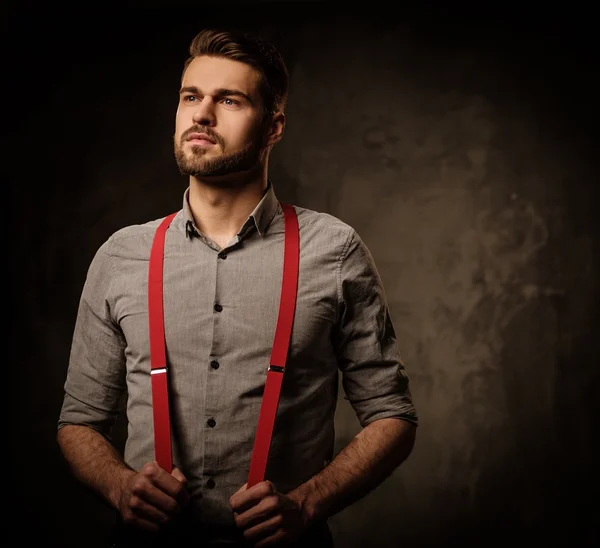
x: 230, y: 102
x: 189, y: 98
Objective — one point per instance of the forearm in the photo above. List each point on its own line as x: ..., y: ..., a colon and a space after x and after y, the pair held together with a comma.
x: 362, y: 465
x: 94, y: 461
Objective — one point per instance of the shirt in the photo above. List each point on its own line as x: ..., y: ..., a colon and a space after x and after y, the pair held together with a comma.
x: 220, y: 310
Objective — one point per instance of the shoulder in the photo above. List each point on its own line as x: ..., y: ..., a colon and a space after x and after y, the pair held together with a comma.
x: 325, y: 232
x: 132, y: 240
x: 324, y: 225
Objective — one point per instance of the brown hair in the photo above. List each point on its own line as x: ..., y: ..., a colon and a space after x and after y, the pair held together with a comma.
x: 253, y: 51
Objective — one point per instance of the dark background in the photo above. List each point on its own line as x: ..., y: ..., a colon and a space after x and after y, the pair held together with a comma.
x: 460, y: 143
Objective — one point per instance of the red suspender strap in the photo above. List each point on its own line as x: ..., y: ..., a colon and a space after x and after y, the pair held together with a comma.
x: 158, y: 354
x: 283, y: 331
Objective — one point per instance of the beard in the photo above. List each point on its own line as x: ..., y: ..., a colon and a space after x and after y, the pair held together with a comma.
x: 195, y: 164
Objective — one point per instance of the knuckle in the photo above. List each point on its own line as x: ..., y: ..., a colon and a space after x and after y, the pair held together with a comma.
x: 265, y: 488
x: 150, y: 469
x: 138, y: 487
x: 128, y: 516
x: 135, y: 503
x: 271, y: 503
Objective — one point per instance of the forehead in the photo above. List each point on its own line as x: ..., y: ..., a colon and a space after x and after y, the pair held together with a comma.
x: 211, y: 73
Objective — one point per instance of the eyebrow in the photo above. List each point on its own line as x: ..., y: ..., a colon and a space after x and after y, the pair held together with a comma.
x: 222, y: 92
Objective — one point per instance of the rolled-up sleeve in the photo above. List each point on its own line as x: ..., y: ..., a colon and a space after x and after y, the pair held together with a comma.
x: 374, y: 377
x: 95, y: 382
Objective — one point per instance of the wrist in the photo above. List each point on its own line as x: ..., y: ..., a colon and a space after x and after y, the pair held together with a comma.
x: 309, y: 501
x: 118, y: 485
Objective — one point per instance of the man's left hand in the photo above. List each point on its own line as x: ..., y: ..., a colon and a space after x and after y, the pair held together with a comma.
x: 265, y: 516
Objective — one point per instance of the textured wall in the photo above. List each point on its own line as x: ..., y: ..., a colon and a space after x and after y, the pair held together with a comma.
x: 461, y: 152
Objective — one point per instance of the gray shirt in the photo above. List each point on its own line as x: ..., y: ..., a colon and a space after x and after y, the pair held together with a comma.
x: 218, y: 355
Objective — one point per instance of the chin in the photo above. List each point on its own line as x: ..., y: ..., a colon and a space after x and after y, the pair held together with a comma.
x: 197, y: 150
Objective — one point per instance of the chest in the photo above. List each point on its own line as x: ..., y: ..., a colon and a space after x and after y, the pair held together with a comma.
x: 217, y: 303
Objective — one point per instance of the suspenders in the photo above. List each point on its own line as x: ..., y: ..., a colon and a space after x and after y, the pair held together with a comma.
x: 158, y: 358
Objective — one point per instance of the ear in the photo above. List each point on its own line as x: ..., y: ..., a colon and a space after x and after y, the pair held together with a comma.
x: 275, y: 127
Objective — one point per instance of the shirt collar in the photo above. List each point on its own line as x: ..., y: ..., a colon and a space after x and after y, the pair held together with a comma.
x: 261, y: 215
x: 265, y: 210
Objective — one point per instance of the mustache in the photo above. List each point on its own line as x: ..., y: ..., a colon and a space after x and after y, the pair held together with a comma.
x: 203, y: 129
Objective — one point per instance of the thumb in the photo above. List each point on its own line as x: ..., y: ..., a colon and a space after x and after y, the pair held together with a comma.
x: 178, y: 475
x: 242, y: 488
x: 183, y: 498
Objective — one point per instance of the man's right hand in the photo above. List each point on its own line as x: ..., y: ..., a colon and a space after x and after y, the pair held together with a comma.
x: 150, y: 498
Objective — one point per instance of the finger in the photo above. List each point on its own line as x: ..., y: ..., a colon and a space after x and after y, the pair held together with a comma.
x: 140, y: 523
x: 236, y: 499
x: 168, y: 483
x: 260, y: 512
x: 140, y: 510
x: 151, y: 491
x: 272, y: 540
x: 183, y: 497
x: 266, y: 531
x: 244, y: 499
x: 157, y: 499
x: 158, y: 476
x: 146, y: 525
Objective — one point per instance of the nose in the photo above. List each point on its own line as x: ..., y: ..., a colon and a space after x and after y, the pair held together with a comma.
x: 204, y: 114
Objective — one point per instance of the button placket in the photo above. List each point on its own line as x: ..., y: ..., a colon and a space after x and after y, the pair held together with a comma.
x: 212, y: 406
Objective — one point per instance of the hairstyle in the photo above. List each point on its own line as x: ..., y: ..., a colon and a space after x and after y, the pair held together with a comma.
x: 253, y: 51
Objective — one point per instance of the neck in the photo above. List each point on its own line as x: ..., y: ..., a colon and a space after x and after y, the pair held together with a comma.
x: 221, y: 206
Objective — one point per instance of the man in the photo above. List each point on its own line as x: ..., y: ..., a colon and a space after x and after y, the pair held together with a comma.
x: 223, y: 272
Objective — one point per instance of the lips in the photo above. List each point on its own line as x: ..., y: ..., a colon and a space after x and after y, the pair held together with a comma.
x: 201, y: 137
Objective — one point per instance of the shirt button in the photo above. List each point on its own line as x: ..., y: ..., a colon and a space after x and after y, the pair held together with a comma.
x: 222, y: 255
x: 210, y: 483
x: 211, y: 422
x: 218, y: 307
x: 214, y: 364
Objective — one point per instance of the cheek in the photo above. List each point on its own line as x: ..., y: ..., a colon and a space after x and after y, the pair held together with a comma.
x: 182, y: 123
x: 247, y: 132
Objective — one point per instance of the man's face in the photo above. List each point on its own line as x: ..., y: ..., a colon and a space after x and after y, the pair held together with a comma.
x: 220, y: 123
